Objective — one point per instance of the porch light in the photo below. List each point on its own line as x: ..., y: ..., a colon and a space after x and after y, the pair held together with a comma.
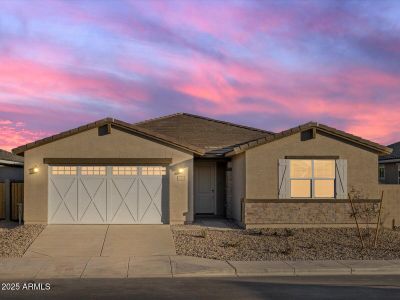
x: 181, y: 170
x: 34, y: 170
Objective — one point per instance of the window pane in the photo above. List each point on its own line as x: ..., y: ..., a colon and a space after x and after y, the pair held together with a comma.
x: 300, y: 168
x: 92, y: 170
x: 300, y: 188
x: 324, y: 169
x: 124, y: 171
x: 154, y: 171
x: 63, y: 170
x: 324, y: 188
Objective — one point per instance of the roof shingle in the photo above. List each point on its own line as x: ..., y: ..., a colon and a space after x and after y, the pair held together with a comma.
x: 344, y: 135
x: 213, y: 136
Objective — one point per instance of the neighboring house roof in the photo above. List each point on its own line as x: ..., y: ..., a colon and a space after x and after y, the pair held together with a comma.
x: 114, y: 122
x: 213, y: 136
x: 394, y: 156
x: 7, y: 158
x: 310, y: 125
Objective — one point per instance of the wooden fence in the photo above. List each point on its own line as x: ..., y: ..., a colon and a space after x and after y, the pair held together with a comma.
x: 2, y: 200
x: 17, y: 197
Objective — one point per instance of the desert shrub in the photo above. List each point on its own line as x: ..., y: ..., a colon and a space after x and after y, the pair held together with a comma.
x: 364, y: 212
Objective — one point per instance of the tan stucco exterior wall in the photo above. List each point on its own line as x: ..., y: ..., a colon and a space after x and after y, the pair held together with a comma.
x: 262, y: 164
x: 118, y: 144
x: 391, y: 205
x: 238, y: 185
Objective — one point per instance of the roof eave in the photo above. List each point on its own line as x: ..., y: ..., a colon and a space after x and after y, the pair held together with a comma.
x: 10, y: 163
x: 389, y: 161
x: 144, y: 132
x: 379, y: 149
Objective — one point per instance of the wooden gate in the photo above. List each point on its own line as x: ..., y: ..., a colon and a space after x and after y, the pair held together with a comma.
x: 17, y: 197
x: 2, y: 200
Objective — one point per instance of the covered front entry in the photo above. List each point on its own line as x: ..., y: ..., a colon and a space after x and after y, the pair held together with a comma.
x: 209, y: 187
x: 107, y: 195
x: 205, y: 188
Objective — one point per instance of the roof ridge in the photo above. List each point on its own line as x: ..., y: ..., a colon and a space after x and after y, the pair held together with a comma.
x: 158, y: 118
x: 207, y: 119
x: 227, y: 123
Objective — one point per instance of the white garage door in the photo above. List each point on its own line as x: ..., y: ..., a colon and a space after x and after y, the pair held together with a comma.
x: 106, y: 194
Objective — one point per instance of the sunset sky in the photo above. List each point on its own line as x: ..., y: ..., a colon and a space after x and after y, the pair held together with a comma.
x: 267, y: 64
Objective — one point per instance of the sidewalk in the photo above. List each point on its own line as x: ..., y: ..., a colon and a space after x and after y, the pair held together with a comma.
x: 181, y: 266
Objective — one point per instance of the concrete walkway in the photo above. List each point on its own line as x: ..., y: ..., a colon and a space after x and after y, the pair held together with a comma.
x: 181, y: 266
x: 102, y: 240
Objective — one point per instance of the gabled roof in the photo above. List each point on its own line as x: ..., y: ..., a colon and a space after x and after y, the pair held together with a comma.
x: 310, y: 125
x: 9, y: 158
x: 214, y: 137
x: 117, y: 123
x: 395, y: 155
x: 204, y: 136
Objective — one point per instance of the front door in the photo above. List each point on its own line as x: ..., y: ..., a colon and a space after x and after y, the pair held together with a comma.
x: 205, y: 185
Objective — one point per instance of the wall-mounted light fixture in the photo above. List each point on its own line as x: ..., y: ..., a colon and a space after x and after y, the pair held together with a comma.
x: 180, y: 174
x: 179, y: 171
x: 34, y: 170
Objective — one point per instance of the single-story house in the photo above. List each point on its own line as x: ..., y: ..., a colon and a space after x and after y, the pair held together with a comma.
x: 389, y: 166
x: 11, y: 170
x: 174, y: 168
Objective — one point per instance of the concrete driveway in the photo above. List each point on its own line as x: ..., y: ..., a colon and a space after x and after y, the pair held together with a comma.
x: 103, y: 240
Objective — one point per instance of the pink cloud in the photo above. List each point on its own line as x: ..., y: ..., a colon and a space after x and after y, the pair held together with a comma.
x: 315, y: 96
x: 5, y: 122
x: 25, y: 78
x: 14, y: 135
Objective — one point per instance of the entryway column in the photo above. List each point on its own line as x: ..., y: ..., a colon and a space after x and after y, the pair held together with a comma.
x: 229, y: 190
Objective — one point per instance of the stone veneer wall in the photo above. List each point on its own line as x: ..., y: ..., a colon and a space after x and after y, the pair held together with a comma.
x: 299, y: 214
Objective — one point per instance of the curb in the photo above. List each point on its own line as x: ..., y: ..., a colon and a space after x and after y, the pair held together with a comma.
x: 184, y: 266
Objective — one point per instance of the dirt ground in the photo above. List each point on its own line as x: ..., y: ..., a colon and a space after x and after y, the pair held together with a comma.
x: 286, y: 244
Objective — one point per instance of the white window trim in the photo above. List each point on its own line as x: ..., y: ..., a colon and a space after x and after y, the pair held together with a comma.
x: 312, y: 179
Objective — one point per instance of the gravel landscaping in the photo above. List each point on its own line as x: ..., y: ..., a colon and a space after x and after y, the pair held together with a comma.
x: 284, y: 244
x: 15, y: 239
